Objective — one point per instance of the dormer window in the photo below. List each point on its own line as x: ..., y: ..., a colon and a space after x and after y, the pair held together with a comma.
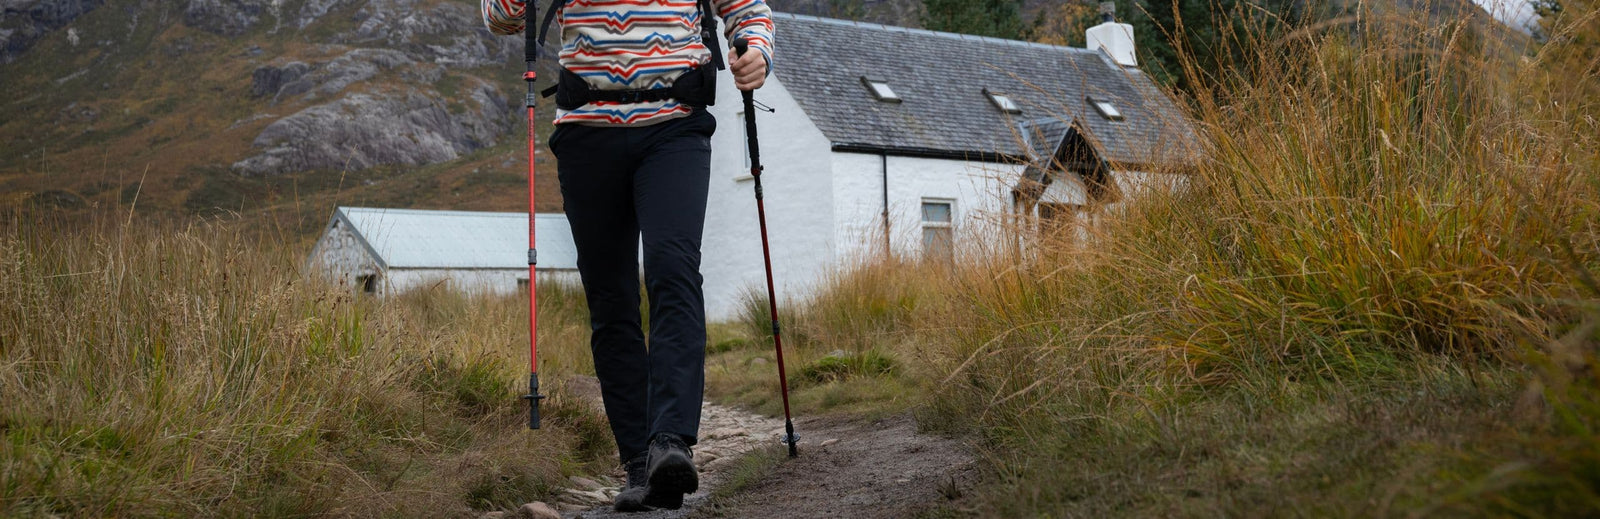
x: 880, y: 89
x: 1003, y: 102
x: 1106, y: 108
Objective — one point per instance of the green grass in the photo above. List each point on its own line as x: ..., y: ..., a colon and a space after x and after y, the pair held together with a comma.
x: 744, y: 473
x: 840, y: 367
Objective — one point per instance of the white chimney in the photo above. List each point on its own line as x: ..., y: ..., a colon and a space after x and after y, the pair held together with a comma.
x: 1114, y: 39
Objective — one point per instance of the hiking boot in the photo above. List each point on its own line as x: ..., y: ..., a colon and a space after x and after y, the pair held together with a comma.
x: 672, y: 472
x: 631, y: 499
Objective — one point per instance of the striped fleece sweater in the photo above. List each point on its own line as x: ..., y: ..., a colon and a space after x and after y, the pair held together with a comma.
x: 630, y: 44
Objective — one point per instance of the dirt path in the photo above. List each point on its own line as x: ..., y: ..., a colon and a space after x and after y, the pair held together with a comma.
x: 847, y: 469
x: 882, y: 468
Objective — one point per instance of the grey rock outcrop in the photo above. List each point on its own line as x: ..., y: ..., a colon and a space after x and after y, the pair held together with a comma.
x: 447, y: 34
x: 324, y: 79
x: 363, y: 130
x: 354, y: 67
x: 363, y: 92
x: 270, y: 80
x: 225, y: 17
x: 23, y: 22
x: 314, y: 10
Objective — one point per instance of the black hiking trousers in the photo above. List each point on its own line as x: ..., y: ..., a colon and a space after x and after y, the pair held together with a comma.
x: 621, y: 184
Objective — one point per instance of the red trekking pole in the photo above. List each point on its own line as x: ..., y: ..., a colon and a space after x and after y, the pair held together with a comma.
x: 740, y: 45
x: 530, y: 54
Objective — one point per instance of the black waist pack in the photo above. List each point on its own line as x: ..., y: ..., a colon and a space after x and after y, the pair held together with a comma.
x: 695, y: 87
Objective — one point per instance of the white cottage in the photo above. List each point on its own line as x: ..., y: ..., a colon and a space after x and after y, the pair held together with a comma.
x: 919, y: 142
x: 386, y: 251
x: 882, y: 139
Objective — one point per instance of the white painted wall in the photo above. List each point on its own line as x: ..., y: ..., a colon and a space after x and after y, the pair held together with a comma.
x: 799, y: 196
x: 475, y: 282
x: 1138, y: 183
x: 340, y: 258
x: 981, y: 192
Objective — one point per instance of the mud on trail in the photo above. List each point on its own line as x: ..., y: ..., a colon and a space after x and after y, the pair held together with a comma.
x: 848, y: 468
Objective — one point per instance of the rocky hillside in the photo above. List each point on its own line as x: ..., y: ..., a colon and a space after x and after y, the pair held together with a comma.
x: 201, y: 105
x: 185, y: 107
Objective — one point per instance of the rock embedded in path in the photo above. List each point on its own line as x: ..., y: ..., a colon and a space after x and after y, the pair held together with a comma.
x: 828, y: 442
x: 585, y: 483
x: 538, y: 510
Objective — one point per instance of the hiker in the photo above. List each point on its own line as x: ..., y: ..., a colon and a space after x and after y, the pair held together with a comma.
x: 633, y: 139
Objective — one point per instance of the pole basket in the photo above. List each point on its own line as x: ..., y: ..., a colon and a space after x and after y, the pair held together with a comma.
x: 533, y: 397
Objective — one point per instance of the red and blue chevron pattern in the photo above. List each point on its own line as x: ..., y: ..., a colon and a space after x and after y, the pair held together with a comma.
x: 627, y: 44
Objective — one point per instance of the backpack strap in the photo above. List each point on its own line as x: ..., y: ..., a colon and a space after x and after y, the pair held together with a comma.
x: 549, y: 16
x: 710, y: 36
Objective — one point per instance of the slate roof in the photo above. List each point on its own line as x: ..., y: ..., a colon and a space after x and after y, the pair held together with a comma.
x: 1044, y: 138
x: 415, y: 238
x: 941, y: 78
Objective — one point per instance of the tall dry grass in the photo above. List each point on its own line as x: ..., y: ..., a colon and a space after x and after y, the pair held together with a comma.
x: 149, y: 370
x: 1394, y: 218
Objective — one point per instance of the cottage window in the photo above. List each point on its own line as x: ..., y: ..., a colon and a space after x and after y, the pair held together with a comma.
x: 880, y: 90
x: 369, y: 283
x: 938, y: 240
x: 1003, y: 102
x: 1106, y: 108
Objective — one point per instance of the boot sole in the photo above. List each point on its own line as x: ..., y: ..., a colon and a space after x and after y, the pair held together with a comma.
x: 673, y: 478
x: 630, y: 505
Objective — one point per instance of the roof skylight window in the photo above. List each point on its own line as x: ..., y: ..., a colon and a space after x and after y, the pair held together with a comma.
x: 1003, y: 102
x: 880, y: 90
x: 1106, y: 108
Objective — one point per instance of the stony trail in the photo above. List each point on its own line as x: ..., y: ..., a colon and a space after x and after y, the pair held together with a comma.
x: 848, y: 468
x: 857, y: 469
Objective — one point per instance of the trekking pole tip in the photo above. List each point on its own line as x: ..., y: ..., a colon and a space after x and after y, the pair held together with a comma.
x: 791, y: 438
x: 533, y: 397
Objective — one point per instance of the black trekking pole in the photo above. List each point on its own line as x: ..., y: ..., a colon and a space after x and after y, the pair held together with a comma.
x: 740, y: 46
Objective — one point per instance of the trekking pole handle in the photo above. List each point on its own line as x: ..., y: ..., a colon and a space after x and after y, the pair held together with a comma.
x: 741, y: 46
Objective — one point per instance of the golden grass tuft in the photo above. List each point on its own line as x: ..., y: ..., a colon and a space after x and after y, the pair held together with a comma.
x: 1394, y: 218
x: 196, y: 371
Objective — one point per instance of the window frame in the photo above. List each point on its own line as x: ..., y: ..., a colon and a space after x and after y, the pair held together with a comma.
x: 1003, y: 102
x: 1105, y: 108
x: 886, y: 94
x: 948, y: 226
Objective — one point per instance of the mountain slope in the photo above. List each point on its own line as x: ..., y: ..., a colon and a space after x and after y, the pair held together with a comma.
x: 244, y: 104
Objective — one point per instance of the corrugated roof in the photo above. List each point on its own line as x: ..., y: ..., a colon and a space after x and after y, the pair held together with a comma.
x: 416, y: 238
x: 941, y: 78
